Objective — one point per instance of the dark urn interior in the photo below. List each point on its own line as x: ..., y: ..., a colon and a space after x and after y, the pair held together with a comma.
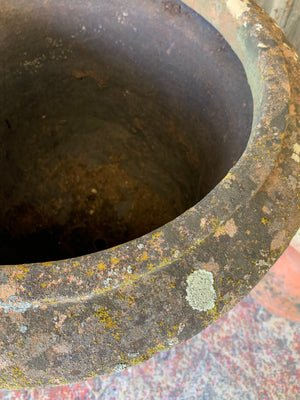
x: 116, y: 117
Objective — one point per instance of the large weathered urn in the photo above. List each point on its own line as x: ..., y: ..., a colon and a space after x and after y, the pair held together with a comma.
x: 149, y: 171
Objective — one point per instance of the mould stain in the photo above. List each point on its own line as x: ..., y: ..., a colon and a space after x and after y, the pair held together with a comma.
x: 200, y: 291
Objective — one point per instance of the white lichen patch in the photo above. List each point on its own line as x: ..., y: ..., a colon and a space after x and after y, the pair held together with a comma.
x: 295, y: 157
x: 262, y: 264
x: 176, y: 253
x: 261, y: 45
x: 133, y: 355
x: 296, y: 153
x: 14, y: 304
x: 120, y: 367
x: 200, y: 292
x: 129, y: 269
x: 297, y: 148
x: 23, y: 328
x: 173, y: 341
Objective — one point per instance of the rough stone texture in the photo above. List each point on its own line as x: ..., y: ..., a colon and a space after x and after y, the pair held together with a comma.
x: 69, y: 320
x: 287, y: 14
x: 248, y: 354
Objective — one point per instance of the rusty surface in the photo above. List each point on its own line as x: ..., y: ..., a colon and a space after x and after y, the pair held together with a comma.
x: 65, y: 321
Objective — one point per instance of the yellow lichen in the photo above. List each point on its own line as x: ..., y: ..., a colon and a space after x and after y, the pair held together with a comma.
x: 47, y: 263
x: 101, y: 266
x: 143, y: 257
x: 156, y: 234
x: 114, y: 260
x: 211, y: 316
x: 172, y: 332
x: 21, y: 273
x: 130, y: 278
x: 150, y: 352
x: 105, y: 318
x: 215, y: 222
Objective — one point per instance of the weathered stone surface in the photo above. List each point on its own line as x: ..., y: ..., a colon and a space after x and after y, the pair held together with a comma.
x: 68, y: 320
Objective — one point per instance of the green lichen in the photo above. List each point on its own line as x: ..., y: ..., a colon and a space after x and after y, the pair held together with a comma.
x: 200, y: 291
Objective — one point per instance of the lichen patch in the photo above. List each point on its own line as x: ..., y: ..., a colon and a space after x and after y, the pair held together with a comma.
x: 297, y: 148
x: 296, y: 153
x: 200, y: 292
x: 14, y: 304
x: 229, y: 229
x: 295, y: 157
